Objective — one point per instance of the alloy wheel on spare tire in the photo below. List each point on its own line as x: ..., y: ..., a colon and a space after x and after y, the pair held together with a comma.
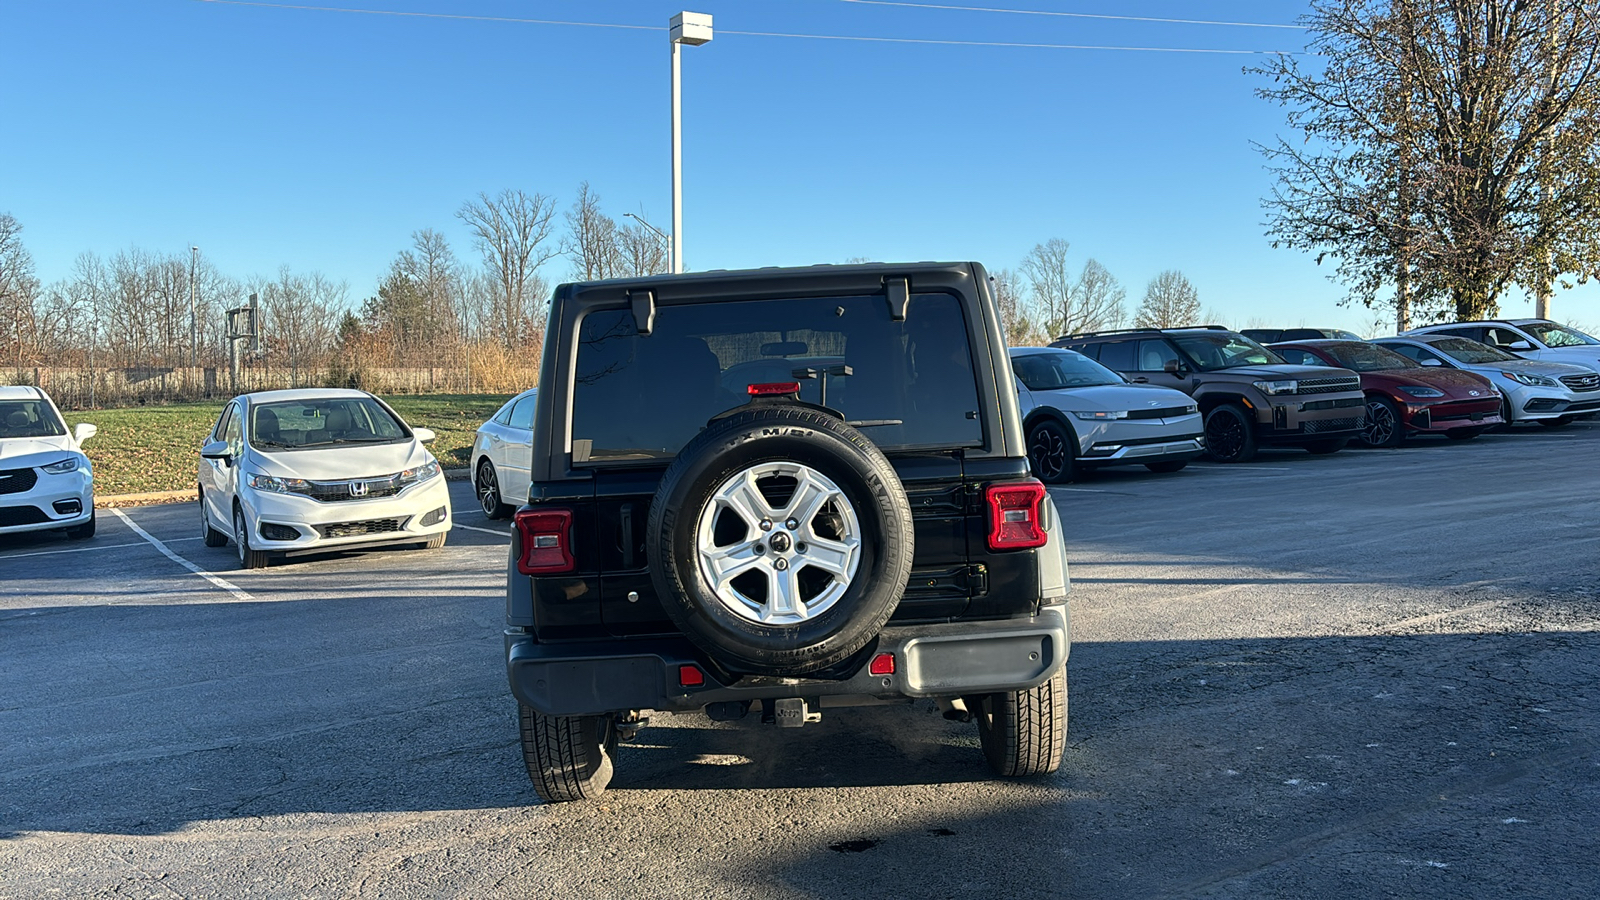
x: 1230, y: 435
x: 1051, y: 451
x: 780, y: 540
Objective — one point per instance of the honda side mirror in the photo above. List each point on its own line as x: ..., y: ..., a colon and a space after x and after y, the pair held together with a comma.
x: 1432, y: 362
x: 1519, y: 345
x: 83, y: 431
x: 423, y: 435
x: 218, y: 450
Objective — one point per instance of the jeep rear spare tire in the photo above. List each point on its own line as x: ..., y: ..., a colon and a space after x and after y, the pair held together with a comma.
x: 780, y: 540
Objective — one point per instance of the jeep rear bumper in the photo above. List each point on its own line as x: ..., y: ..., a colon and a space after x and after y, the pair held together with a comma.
x: 940, y: 660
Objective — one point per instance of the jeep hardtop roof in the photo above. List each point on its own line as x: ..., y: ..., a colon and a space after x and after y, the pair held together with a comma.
x: 645, y: 296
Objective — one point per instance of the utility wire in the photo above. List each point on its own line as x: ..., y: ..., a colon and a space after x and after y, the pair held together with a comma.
x: 816, y: 37
x: 429, y: 15
x: 1069, y: 15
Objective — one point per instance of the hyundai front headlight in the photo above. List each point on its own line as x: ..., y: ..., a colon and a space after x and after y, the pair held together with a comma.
x: 1285, y: 386
x: 1100, y: 415
x: 1417, y: 391
x: 1531, y: 380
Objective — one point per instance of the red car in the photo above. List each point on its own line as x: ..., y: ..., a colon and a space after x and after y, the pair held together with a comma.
x: 1404, y: 397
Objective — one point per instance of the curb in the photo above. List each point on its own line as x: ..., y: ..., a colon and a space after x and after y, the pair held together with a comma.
x: 155, y: 498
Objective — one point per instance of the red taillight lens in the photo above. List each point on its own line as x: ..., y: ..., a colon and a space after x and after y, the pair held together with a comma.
x: 882, y: 664
x: 546, y: 541
x: 774, y: 388
x: 1014, y: 517
x: 689, y: 676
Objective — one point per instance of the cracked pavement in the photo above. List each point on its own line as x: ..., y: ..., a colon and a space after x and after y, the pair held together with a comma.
x: 1375, y: 673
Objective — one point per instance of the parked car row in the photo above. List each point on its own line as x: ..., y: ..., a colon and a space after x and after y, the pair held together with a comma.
x: 281, y: 473
x: 1163, y: 396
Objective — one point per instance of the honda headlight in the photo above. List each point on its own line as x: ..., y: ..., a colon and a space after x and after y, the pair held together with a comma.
x: 275, y: 485
x: 70, y: 464
x: 1422, y: 391
x: 1287, y: 386
x: 1101, y: 415
x: 424, y: 472
x: 1532, y: 380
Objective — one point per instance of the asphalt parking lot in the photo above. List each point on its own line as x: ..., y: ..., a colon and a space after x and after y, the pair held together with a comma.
x: 1371, y: 674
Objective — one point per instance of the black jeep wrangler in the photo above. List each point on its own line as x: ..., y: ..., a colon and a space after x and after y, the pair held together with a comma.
x: 780, y: 491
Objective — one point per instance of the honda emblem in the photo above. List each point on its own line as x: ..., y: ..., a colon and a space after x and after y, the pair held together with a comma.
x: 358, y: 488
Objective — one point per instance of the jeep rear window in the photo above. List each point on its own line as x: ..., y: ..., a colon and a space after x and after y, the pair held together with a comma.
x: 910, y: 384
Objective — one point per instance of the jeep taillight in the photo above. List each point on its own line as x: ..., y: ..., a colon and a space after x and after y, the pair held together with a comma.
x: 1015, y: 522
x: 546, y: 541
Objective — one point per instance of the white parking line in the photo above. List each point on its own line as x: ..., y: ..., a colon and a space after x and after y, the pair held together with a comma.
x: 484, y: 530
x: 230, y: 588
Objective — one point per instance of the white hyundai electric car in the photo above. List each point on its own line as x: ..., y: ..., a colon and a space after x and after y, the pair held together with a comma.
x: 45, y: 480
x: 285, y: 473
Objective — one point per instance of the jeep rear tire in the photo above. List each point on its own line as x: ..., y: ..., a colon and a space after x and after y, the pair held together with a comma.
x: 1023, y: 732
x: 568, y: 757
x: 780, y: 540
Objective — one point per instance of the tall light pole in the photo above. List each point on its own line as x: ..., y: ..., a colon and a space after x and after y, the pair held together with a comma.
x: 665, y: 237
x: 194, y: 321
x: 693, y: 29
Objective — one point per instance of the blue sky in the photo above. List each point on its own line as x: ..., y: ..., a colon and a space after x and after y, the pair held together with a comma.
x: 321, y: 140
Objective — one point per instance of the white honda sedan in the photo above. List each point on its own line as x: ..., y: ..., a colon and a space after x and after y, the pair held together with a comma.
x: 45, y: 480
x: 502, y: 453
x: 286, y: 473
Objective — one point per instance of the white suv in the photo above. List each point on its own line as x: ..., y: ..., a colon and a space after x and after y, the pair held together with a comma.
x: 1539, y: 339
x: 46, y: 481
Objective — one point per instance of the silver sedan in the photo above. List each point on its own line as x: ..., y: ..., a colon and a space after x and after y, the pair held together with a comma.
x: 502, y: 452
x: 1079, y: 414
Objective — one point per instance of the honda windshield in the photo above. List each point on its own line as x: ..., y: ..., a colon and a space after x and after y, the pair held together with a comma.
x: 322, y: 422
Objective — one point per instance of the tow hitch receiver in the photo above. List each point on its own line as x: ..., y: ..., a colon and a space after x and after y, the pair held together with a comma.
x: 792, y: 712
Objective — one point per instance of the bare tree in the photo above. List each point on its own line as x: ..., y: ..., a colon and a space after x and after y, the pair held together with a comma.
x: 19, y: 291
x: 591, y: 239
x: 1065, y: 305
x: 418, y: 309
x: 1170, y: 301
x: 1016, y: 316
x: 1101, y: 296
x: 512, y: 231
x: 300, y: 315
x: 1452, y: 148
x: 640, y: 251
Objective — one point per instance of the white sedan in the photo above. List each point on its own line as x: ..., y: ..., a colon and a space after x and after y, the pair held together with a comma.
x: 45, y: 480
x: 502, y: 452
x: 285, y: 473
